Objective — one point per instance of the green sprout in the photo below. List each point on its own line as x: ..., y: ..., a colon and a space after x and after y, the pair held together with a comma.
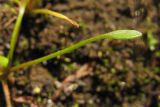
x: 23, y: 6
x: 29, y: 6
x: 118, y: 34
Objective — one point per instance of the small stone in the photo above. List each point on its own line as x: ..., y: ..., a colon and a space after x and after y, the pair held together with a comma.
x: 36, y: 90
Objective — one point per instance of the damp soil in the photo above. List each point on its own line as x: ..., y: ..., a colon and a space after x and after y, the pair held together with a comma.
x: 107, y: 73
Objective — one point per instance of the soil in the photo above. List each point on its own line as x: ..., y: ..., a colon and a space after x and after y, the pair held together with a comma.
x: 101, y: 74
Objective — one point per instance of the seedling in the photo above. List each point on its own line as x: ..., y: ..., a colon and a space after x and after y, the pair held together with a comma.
x: 6, y: 66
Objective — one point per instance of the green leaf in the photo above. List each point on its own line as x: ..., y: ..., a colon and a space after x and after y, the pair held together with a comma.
x: 123, y: 34
x: 118, y: 34
x: 3, y: 61
x: 16, y: 30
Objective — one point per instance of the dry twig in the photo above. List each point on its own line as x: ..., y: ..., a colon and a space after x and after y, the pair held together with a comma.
x: 82, y: 72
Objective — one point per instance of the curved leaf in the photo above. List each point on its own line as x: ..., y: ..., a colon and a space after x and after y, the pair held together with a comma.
x: 56, y: 14
x: 118, y: 34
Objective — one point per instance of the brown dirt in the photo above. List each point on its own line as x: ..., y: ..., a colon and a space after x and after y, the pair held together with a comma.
x: 121, y: 73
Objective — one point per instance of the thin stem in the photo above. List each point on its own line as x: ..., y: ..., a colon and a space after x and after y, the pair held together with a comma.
x: 53, y: 55
x: 16, y: 31
x: 6, y: 93
x: 119, y: 34
x: 12, y: 48
x: 56, y: 14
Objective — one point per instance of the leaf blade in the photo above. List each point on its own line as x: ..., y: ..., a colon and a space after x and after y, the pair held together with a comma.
x: 123, y: 34
x: 55, y: 14
x: 119, y: 34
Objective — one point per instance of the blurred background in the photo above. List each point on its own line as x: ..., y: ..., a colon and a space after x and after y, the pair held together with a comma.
x: 107, y: 73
